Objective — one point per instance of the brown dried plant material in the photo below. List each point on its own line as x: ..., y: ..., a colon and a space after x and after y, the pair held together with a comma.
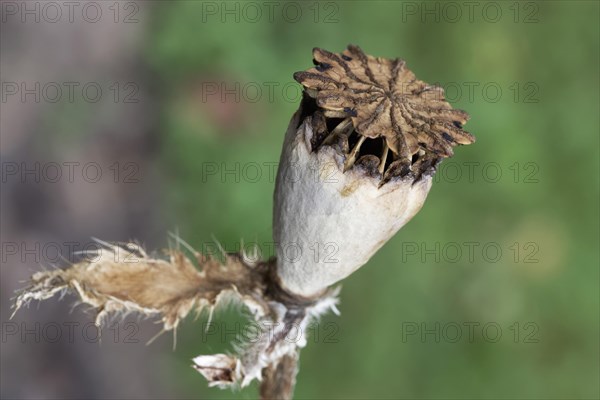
x: 383, y: 99
x: 122, y: 278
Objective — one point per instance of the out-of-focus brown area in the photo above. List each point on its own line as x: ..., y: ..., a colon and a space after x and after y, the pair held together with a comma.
x: 84, y: 169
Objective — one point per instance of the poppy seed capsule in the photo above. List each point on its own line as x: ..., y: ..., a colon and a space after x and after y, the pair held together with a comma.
x: 357, y: 164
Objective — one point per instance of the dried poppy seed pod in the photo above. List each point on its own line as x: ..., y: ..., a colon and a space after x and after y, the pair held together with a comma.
x: 356, y: 165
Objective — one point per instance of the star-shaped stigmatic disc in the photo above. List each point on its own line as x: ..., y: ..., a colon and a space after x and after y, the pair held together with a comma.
x: 382, y: 98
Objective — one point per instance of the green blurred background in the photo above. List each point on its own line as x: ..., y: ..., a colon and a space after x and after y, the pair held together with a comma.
x: 530, y: 192
x: 540, y: 134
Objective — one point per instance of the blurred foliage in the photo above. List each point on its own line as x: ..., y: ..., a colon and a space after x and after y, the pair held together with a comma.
x: 546, y: 151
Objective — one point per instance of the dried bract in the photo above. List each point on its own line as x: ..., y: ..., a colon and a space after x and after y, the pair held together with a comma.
x: 122, y: 278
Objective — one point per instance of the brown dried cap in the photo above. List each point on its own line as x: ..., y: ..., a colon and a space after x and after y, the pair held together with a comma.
x: 383, y: 98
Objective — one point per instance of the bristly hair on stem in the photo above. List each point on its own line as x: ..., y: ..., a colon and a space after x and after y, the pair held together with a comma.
x: 122, y: 278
